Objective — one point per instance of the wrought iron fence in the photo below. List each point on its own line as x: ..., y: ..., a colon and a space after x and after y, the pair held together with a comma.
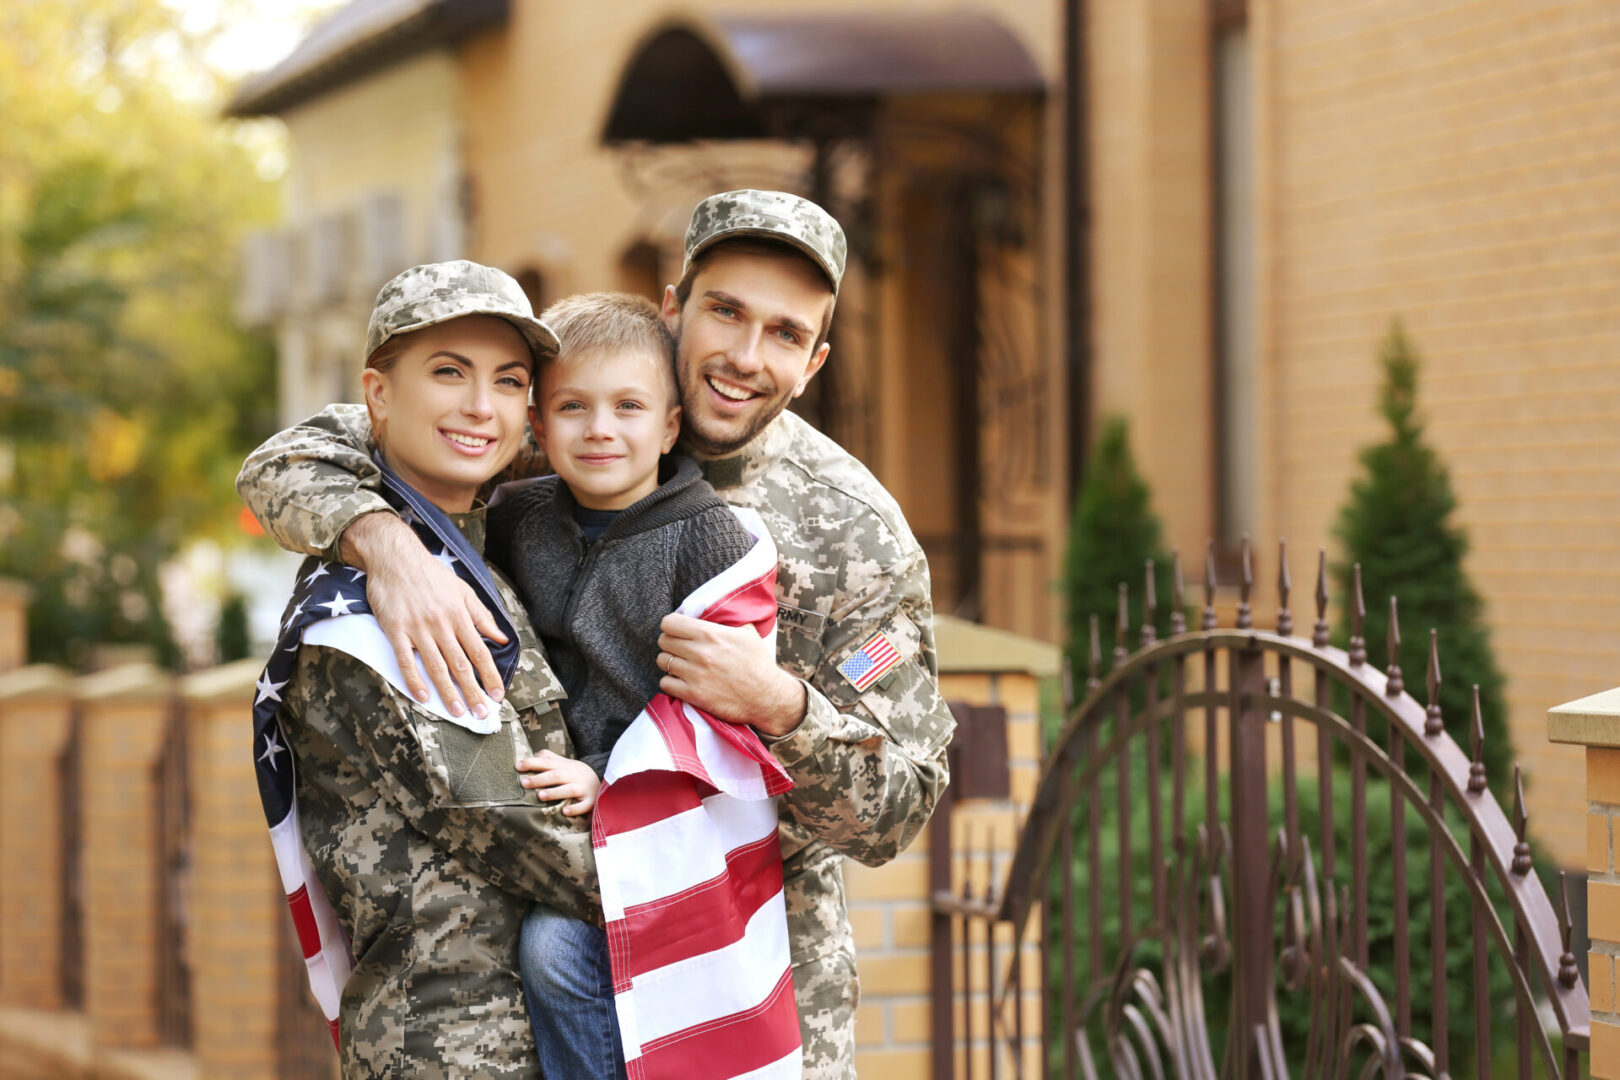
x: 1238, y: 872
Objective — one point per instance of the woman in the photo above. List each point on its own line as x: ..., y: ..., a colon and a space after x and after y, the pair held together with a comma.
x: 407, y: 846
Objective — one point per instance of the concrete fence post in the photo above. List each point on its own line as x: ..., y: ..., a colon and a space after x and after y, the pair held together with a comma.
x: 889, y: 906
x: 124, y: 712
x: 234, y: 889
x: 1594, y: 722
x: 36, y: 710
x: 14, y: 597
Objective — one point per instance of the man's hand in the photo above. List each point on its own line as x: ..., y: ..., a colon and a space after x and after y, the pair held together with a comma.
x: 729, y: 673
x: 425, y: 608
x: 558, y: 777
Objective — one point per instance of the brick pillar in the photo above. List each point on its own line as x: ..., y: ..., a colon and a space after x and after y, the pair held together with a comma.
x: 889, y: 905
x: 36, y: 706
x: 1594, y: 722
x: 124, y: 712
x: 235, y: 910
x: 14, y: 597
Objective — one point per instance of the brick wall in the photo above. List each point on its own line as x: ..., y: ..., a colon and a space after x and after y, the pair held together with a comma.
x: 124, y: 710
x: 35, y: 709
x: 1454, y: 163
x: 234, y: 887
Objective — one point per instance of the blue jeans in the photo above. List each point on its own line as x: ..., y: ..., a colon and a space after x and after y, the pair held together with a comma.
x: 568, y: 987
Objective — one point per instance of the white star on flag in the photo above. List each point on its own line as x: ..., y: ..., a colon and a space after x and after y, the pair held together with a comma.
x: 408, y: 516
x: 320, y: 571
x: 297, y: 611
x: 267, y: 689
x: 340, y: 605
x: 358, y: 574
x: 448, y: 559
x: 271, y: 748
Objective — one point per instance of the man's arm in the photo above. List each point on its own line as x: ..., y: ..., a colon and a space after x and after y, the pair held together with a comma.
x: 458, y: 789
x: 316, y: 490
x: 867, y: 765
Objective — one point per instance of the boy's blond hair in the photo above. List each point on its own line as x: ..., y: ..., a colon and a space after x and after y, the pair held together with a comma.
x: 616, y: 323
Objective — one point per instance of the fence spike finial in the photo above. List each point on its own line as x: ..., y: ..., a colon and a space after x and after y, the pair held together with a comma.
x: 1319, y: 633
x: 1208, y: 621
x: 1245, y: 615
x: 1358, y: 613
x: 1521, y: 825
x: 1432, y: 724
x: 1178, y: 597
x: 1094, y: 657
x: 1476, y: 741
x: 1397, y: 682
x: 1150, y: 607
x: 1285, y: 618
x: 1122, y: 626
x: 1568, y: 973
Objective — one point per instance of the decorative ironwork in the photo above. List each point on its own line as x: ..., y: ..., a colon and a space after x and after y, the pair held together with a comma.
x: 1241, y: 941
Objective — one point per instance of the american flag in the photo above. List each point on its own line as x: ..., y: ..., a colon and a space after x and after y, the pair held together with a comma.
x: 870, y: 662
x: 685, y: 832
x: 329, y: 607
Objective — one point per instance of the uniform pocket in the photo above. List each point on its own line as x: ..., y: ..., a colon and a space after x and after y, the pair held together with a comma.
x: 477, y: 769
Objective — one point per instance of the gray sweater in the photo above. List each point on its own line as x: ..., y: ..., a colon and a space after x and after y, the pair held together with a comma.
x: 597, y: 606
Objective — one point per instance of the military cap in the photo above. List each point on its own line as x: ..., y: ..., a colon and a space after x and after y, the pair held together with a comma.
x: 770, y: 215
x: 438, y: 292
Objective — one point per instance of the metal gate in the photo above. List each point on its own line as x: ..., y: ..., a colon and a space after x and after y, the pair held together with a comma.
x: 1253, y: 854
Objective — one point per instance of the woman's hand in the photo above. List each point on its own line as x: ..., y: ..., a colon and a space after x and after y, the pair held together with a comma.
x: 557, y: 777
x: 424, y: 608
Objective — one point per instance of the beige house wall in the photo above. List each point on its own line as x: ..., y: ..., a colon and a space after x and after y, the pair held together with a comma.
x: 1453, y: 164
x: 397, y: 133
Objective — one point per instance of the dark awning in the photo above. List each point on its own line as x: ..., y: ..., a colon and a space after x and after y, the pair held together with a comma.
x: 361, y: 38
x: 725, y: 76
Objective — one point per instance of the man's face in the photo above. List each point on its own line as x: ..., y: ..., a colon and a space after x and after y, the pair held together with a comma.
x: 746, y: 344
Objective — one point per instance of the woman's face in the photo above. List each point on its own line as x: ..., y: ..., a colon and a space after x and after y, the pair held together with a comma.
x: 449, y: 412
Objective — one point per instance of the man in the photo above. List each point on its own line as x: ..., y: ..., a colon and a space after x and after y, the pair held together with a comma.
x: 853, y: 712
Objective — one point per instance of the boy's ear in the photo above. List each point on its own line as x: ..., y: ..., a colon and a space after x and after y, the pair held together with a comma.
x: 537, y: 427
x: 670, y: 311
x: 672, y: 428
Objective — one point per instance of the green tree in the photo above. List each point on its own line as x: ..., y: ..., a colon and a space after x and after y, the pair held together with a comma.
x: 1112, y: 533
x: 1398, y: 524
x: 127, y: 395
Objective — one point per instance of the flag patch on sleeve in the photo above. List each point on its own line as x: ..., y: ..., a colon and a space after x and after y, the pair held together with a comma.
x: 869, y: 664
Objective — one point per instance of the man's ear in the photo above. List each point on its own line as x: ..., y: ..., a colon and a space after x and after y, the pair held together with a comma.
x: 672, y: 429
x: 538, y: 427
x: 812, y: 367
x: 670, y: 312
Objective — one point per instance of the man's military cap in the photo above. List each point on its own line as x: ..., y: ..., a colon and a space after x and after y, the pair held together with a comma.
x: 438, y: 292
x: 770, y: 215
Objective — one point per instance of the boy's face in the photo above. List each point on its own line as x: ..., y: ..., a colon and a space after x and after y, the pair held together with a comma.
x: 603, y: 419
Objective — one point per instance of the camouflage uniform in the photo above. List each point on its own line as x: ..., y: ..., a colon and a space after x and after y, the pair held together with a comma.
x: 431, y: 851
x: 869, y: 766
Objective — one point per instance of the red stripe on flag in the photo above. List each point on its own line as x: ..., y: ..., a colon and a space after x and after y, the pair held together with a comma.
x: 336, y: 1039
x: 679, y: 738
x: 751, y: 604
x: 729, y: 1046
x: 309, y: 935
x: 642, y: 799
x: 705, y: 917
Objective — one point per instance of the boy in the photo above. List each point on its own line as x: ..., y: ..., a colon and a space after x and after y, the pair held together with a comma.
x: 600, y: 553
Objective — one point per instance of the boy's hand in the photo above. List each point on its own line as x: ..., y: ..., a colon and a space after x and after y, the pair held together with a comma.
x: 422, y: 606
x: 729, y: 673
x: 558, y: 777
